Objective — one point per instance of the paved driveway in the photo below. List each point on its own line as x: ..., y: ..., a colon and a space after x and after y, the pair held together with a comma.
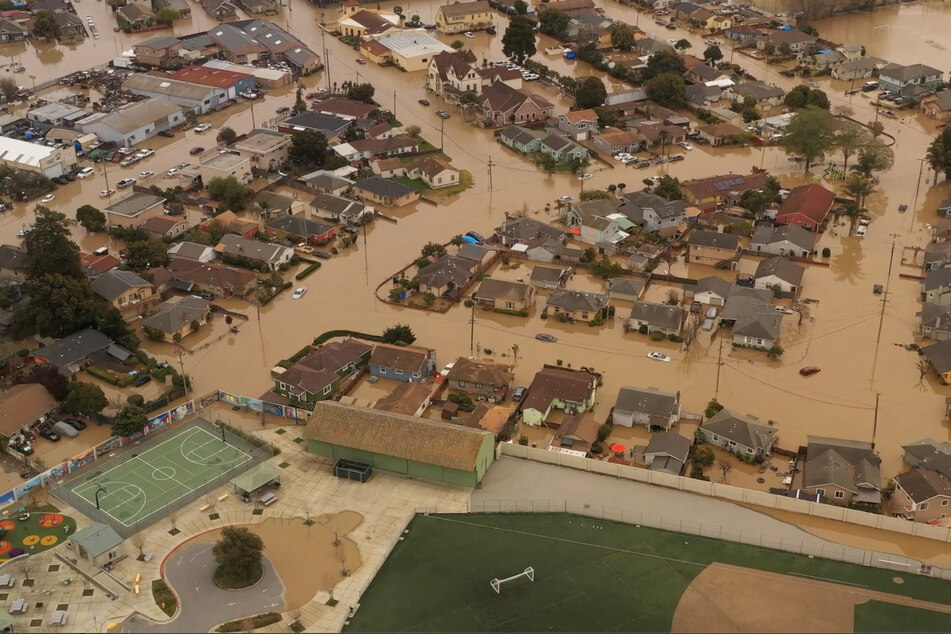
x: 203, y: 604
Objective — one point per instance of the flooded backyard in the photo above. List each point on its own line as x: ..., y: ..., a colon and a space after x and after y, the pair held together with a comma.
x: 869, y: 387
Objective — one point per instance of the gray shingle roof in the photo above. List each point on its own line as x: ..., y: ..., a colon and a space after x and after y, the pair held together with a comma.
x: 658, y: 315
x: 570, y: 300
x: 758, y: 322
x: 663, y: 208
x: 713, y: 239
x: 300, y: 227
x: 670, y: 443
x: 711, y: 284
x: 923, y: 484
x: 383, y: 187
x: 758, y: 90
x: 795, y: 234
x: 939, y: 355
x: 743, y: 430
x: 74, y: 347
x: 501, y: 289
x: 842, y: 463
x: 647, y: 400
x: 781, y: 267
x: 112, y: 284
x: 175, y: 313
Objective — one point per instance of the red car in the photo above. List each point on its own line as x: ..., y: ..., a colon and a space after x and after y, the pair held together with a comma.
x: 809, y: 370
x: 361, y: 61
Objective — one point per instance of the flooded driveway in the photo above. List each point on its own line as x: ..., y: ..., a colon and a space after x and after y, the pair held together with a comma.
x: 869, y: 387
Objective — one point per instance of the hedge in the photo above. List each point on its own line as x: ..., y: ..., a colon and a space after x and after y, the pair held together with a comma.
x: 506, y: 311
x: 330, y: 334
x: 256, y: 621
x: 108, y: 377
x: 310, y: 269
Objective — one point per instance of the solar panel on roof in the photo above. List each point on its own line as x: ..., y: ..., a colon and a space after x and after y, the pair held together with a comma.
x: 728, y: 183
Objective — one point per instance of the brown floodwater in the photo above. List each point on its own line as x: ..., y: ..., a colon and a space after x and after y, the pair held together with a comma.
x: 841, y: 338
x: 289, y: 543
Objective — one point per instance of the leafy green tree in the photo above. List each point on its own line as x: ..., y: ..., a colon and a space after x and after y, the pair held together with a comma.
x: 622, y: 36
x: 858, y: 187
x: 713, y: 54
x: 129, y: 421
x: 49, y: 248
x: 667, y: 90
x: 875, y: 156
x: 590, y: 92
x: 49, y: 376
x: 809, y: 134
x: 360, y: 92
x: 703, y: 456
x: 518, y: 42
x: 227, y: 135
x: 605, y: 268
x: 775, y: 351
x: 548, y: 163
x: 230, y: 192
x: 683, y: 44
x: 399, y: 335
x: 167, y: 15
x: 520, y: 6
x: 299, y: 104
x: 803, y: 96
x: 85, y: 399
x: 754, y: 202
x: 398, y: 10
x: 849, y: 140
x: 239, y: 555
x: 8, y: 88
x: 939, y: 153
x: 661, y: 62
x: 44, y: 24
x: 457, y: 44
x: 554, y: 23
x: 433, y: 250
x: 669, y: 187
x: 145, y: 254
x: 91, y: 218
x: 110, y: 322
x: 308, y: 149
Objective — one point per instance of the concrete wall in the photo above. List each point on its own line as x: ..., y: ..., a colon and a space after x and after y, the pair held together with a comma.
x: 727, y: 492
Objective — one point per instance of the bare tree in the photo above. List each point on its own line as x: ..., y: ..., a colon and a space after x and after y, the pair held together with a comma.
x: 138, y: 540
x: 725, y: 468
x: 923, y: 368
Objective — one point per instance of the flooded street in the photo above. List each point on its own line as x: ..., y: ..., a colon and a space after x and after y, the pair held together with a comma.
x: 862, y: 381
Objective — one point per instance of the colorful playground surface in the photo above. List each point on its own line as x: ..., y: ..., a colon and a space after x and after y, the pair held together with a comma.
x: 33, y: 531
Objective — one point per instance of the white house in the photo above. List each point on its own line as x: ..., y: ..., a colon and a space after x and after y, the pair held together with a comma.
x: 779, y: 271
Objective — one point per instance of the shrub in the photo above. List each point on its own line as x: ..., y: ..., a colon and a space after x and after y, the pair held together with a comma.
x: 643, y: 329
x: 826, y: 252
x: 597, y: 448
x: 523, y: 440
x: 103, y: 374
x: 675, y: 338
x: 696, y: 472
x: 712, y: 408
x: 310, y: 269
x: 657, y: 336
x: 604, y: 431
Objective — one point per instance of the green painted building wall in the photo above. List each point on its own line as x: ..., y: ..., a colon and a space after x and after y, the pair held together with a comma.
x: 421, y: 470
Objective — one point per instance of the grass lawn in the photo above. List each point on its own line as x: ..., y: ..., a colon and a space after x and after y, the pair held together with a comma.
x: 590, y: 575
x: 877, y: 616
x: 164, y: 597
x: 465, y: 182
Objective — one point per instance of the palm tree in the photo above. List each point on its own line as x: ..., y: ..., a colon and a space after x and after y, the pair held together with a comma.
x: 939, y: 153
x: 858, y: 187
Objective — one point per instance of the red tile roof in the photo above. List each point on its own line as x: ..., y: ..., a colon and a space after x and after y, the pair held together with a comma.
x: 812, y: 201
x: 209, y: 76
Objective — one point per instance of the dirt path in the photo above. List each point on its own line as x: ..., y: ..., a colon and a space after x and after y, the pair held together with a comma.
x: 305, y: 557
x: 725, y: 598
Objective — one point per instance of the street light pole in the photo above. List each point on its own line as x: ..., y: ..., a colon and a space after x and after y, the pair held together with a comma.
x: 914, y: 206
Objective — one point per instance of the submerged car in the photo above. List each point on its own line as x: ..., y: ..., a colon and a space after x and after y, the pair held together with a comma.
x: 546, y: 337
x: 658, y: 356
x: 809, y: 370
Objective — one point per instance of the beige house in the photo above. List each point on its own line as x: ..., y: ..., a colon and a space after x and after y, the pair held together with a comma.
x: 496, y: 294
x: 710, y: 247
x: 460, y: 17
x: 226, y: 165
x: 130, y: 294
x: 132, y: 212
x: 177, y: 318
x: 573, y: 391
x: 164, y: 227
x: 483, y: 380
x: 357, y: 21
x: 435, y: 173
x: 922, y: 495
x: 266, y: 149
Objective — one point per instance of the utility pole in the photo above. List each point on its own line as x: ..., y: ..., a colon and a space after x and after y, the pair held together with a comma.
x: 875, y: 420
x: 181, y: 365
x: 891, y: 258
x: 472, y: 331
x: 716, y: 391
x: 442, y: 123
x: 490, y: 173
x: 914, y: 206
x: 394, y: 103
x: 366, y: 256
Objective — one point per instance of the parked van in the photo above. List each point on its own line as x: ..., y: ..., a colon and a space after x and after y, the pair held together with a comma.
x: 101, y: 251
x: 870, y: 86
x: 63, y: 429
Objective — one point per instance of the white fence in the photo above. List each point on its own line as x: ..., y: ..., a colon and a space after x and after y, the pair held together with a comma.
x: 731, y: 493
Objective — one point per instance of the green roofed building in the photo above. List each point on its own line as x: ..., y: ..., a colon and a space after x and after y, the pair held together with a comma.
x: 97, y: 544
x: 417, y: 447
x: 256, y: 477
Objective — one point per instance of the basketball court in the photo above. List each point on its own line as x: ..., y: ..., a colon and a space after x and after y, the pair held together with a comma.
x: 169, y: 470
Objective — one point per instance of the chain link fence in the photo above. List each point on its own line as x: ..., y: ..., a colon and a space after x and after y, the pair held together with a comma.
x: 162, y: 506
x: 811, y: 547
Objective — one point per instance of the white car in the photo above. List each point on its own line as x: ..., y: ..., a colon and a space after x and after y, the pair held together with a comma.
x: 658, y: 356
x: 653, y: 179
x: 861, y: 230
x: 299, y: 292
x: 531, y: 77
x: 685, y: 145
x: 469, y: 34
x: 146, y: 152
x: 146, y: 174
x: 585, y: 176
x: 125, y: 182
x: 622, y: 156
x: 47, y: 198
x: 85, y: 172
x: 672, y: 41
x: 105, y: 193
x: 864, y: 221
x: 202, y: 127
x: 565, y: 199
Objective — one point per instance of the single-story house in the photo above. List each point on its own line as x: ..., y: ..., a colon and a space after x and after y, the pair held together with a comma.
x: 845, y: 471
x: 483, y: 380
x: 806, y: 206
x: 738, y: 434
x: 626, y: 288
x: 494, y: 294
x: 573, y: 391
x: 403, y: 363
x: 385, y: 192
x: 23, y: 405
x: 299, y: 229
x: 548, y: 277
x: 667, y: 452
x: 177, y: 317
x: 576, y: 305
x: 646, y: 406
x: 577, y: 432
x: 710, y: 247
x: 790, y: 239
x: 662, y: 318
x: 779, y: 271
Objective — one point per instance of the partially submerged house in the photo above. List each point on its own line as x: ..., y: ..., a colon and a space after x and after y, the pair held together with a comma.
x: 845, y: 471
x: 558, y: 388
x: 646, y: 406
x: 742, y: 435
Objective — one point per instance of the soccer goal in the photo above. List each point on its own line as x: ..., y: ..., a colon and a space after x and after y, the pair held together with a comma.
x: 497, y: 583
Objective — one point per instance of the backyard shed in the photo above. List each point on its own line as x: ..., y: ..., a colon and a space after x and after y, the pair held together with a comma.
x: 425, y: 449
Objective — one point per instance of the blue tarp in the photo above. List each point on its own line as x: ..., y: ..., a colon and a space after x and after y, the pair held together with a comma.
x: 785, y: 28
x: 827, y: 50
x: 469, y: 240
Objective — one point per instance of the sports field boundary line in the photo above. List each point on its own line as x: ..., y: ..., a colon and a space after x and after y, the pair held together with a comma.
x: 815, y: 578
x: 755, y: 571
